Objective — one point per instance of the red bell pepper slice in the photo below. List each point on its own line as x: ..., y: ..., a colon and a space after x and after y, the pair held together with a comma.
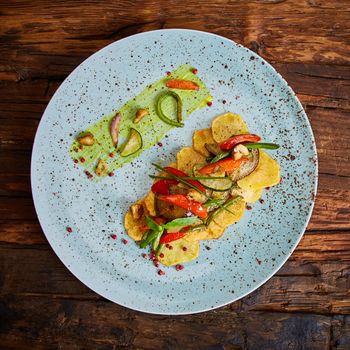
x: 183, y: 202
x: 162, y: 186
x: 228, y: 164
x: 171, y: 236
x: 180, y: 173
x: 235, y: 140
x: 174, y: 236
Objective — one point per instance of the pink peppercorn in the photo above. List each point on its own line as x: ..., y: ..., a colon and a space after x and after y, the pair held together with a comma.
x: 168, y: 73
x: 69, y: 229
x: 111, y: 174
x: 156, y: 264
x: 111, y: 155
x: 184, y: 249
x: 195, y: 71
x: 125, y: 241
x: 170, y: 247
x: 160, y: 144
x: 76, y: 161
x: 161, y: 273
x: 144, y: 255
x: 82, y: 159
x: 161, y: 255
x: 248, y: 207
x: 80, y: 147
x: 179, y: 267
x: 114, y: 236
x: 209, y: 103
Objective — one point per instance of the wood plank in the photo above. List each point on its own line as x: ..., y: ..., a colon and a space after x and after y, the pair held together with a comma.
x: 38, y: 323
x: 46, y: 45
x: 332, y: 206
x: 21, y: 232
x: 340, y: 334
x: 321, y: 287
x: 323, y: 246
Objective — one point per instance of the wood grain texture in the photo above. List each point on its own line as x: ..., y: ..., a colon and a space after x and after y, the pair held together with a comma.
x: 306, y: 305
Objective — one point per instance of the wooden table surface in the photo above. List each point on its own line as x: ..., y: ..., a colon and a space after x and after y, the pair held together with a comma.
x: 306, y: 305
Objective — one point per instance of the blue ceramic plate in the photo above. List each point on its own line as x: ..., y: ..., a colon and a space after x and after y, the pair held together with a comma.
x: 250, y: 252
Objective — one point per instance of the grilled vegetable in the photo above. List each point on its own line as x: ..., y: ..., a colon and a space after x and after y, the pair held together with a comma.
x: 114, y: 128
x: 221, y: 185
x: 213, y: 148
x: 183, y: 202
x: 161, y: 113
x: 133, y: 144
x: 228, y: 164
x: 182, y: 84
x: 86, y: 140
x: 235, y: 140
x: 252, y: 145
x: 248, y: 167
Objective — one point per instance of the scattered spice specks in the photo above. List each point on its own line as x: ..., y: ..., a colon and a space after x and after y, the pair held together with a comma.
x: 179, y: 267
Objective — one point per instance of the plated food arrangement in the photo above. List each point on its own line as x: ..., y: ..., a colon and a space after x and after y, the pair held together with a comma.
x: 137, y: 193
x: 204, y: 192
x: 208, y: 187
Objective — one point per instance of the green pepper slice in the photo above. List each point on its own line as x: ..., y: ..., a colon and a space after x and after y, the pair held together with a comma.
x: 161, y: 114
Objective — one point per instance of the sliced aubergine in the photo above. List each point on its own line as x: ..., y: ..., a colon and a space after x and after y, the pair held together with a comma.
x: 220, y: 185
x: 248, y: 167
x: 133, y: 143
x: 213, y: 148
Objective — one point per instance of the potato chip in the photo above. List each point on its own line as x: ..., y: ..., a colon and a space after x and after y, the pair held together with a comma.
x: 149, y: 204
x: 177, y: 255
x: 226, y: 125
x: 200, y: 138
x: 266, y: 174
x: 214, y: 231
x: 249, y: 196
x: 224, y: 218
x: 135, y: 227
x: 187, y: 157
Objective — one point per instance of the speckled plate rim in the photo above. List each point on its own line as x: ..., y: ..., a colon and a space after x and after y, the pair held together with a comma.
x: 87, y: 283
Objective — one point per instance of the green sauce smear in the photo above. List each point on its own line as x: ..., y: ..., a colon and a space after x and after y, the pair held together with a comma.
x: 151, y: 128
